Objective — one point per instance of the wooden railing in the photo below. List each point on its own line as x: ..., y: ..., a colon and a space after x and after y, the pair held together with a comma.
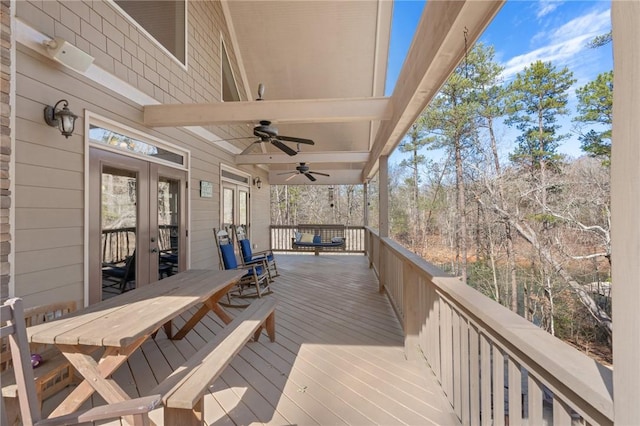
x: 494, y: 366
x: 281, y: 235
x: 119, y: 243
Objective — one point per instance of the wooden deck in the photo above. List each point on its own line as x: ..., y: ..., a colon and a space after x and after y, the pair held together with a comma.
x: 338, y: 357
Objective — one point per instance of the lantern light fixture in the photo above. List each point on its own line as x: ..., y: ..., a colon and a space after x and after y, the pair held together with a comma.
x: 63, y: 118
x: 257, y: 182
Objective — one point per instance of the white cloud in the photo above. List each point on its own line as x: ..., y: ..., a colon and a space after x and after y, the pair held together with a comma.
x: 594, y: 22
x: 564, y: 43
x: 545, y: 7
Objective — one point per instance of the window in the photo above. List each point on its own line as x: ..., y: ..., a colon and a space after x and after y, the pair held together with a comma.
x: 165, y: 21
x: 229, y: 87
x: 102, y: 136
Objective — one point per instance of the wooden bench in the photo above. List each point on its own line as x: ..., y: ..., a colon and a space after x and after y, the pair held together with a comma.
x: 54, y: 374
x: 183, y: 391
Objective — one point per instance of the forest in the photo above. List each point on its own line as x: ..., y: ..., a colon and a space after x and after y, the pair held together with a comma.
x: 483, y: 192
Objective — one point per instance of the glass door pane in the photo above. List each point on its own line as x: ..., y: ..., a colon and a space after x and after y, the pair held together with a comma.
x: 118, y: 224
x: 228, y: 211
x: 168, y: 226
x: 119, y: 218
x: 243, y: 207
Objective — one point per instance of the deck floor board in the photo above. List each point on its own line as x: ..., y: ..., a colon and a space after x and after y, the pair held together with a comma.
x: 338, y: 357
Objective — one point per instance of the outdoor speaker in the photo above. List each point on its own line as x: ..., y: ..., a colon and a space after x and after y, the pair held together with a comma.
x: 69, y: 55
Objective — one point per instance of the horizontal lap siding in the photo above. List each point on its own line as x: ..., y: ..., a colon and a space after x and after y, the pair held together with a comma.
x: 50, y: 170
x: 5, y: 148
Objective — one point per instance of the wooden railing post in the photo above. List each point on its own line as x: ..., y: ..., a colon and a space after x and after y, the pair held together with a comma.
x: 411, y: 311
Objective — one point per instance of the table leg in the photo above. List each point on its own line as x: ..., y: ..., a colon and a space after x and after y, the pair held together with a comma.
x: 210, y: 304
x: 167, y: 329
x: 96, y: 375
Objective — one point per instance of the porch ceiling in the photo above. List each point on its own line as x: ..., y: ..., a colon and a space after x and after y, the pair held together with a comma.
x: 317, y: 59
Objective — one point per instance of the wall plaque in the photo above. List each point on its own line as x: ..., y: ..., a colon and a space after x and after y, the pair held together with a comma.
x: 206, y: 189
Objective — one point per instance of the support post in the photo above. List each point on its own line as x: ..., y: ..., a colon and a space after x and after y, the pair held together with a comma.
x: 383, y: 183
x: 625, y: 210
x: 365, y: 214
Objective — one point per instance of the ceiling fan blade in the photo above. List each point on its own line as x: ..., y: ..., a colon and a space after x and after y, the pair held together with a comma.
x: 321, y: 174
x: 283, y: 147
x: 291, y: 177
x: 296, y: 140
x: 311, y: 178
x: 285, y: 173
x: 249, y: 148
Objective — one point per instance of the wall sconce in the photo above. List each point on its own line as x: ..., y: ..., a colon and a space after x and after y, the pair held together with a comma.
x: 63, y: 118
x: 257, y: 182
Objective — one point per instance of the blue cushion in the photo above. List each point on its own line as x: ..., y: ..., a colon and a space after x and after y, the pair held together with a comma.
x: 317, y: 239
x: 337, y: 240
x: 245, y: 247
x: 228, y: 256
x: 258, y: 270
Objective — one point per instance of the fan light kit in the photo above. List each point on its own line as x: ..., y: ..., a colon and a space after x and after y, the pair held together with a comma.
x: 303, y: 169
x: 268, y: 133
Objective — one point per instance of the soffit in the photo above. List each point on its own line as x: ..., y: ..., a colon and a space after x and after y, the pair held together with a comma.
x: 314, y: 50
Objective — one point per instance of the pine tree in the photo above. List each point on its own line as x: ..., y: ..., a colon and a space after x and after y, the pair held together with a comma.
x: 595, y: 106
x: 538, y: 95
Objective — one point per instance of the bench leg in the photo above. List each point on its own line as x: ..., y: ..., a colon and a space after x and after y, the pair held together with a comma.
x: 185, y: 416
x: 270, y: 323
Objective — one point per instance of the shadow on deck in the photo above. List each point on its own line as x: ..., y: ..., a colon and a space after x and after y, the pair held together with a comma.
x: 338, y: 357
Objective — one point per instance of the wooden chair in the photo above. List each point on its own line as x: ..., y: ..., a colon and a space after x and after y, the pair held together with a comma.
x: 54, y: 374
x: 12, y: 326
x: 249, y: 257
x: 256, y: 276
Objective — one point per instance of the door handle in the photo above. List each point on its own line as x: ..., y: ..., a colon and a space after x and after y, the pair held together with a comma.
x: 154, y: 250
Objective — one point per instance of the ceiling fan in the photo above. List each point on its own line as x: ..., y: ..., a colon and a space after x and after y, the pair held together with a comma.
x: 268, y: 133
x: 303, y: 169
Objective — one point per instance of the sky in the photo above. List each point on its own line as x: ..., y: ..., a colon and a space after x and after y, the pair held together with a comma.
x: 522, y: 32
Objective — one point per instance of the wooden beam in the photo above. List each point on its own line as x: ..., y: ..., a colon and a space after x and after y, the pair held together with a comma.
x: 437, y: 48
x: 305, y: 157
x: 280, y: 111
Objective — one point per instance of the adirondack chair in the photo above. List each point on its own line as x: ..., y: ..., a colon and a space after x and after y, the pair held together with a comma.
x: 13, y: 327
x: 256, y: 279
x: 250, y: 257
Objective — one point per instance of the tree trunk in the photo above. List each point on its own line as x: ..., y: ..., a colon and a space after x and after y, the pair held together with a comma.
x: 461, y: 237
x: 511, y: 261
x: 530, y: 236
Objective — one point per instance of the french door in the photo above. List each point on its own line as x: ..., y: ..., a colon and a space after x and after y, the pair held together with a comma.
x: 137, y: 223
x: 234, y: 205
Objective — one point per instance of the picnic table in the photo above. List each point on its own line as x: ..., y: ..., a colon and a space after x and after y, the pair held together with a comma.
x: 121, y: 324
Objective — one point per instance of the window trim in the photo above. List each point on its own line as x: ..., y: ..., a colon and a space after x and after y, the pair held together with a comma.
x: 224, y: 55
x: 153, y: 40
